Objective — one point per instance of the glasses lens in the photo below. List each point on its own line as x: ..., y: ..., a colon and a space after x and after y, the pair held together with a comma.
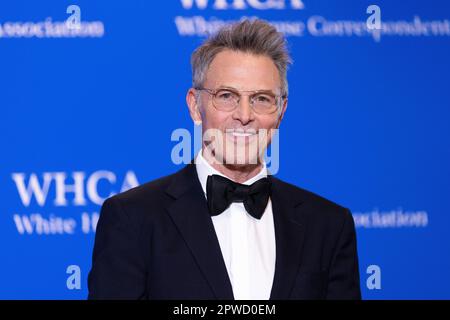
x: 226, y: 100
x: 264, y: 103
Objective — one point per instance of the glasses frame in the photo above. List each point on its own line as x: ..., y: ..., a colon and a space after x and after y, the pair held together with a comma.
x: 213, y: 93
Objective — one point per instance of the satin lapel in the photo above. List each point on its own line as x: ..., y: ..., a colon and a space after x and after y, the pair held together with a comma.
x: 290, y: 226
x: 189, y: 211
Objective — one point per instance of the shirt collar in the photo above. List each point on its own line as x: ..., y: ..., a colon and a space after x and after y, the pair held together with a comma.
x: 204, y: 169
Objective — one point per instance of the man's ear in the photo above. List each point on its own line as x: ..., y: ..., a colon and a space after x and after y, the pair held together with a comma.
x: 281, y: 114
x: 193, y: 105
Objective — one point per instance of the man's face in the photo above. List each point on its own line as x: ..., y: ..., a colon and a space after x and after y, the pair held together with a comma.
x: 243, y: 134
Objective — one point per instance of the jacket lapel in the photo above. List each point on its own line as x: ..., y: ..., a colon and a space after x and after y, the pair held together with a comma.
x: 290, y: 225
x: 189, y: 211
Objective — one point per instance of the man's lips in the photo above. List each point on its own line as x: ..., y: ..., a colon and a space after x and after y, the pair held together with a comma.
x: 241, y: 132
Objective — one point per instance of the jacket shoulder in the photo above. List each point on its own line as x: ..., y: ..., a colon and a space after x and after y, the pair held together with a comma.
x: 318, y: 205
x: 151, y: 194
x: 148, y: 189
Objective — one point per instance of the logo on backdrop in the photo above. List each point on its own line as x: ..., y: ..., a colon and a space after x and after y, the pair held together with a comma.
x: 64, y: 203
x: 243, y: 4
x: 387, y: 219
x: 72, y: 27
x: 368, y: 23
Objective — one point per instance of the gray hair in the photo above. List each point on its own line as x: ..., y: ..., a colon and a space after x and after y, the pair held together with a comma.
x: 251, y: 36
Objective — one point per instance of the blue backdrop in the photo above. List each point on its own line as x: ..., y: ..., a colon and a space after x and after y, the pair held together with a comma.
x: 89, y: 112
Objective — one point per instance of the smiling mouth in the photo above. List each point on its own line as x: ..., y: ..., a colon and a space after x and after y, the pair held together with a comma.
x: 241, y: 132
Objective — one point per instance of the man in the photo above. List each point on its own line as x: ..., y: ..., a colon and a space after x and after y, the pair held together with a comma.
x: 223, y: 227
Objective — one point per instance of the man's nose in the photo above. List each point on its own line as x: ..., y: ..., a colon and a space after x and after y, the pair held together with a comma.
x: 244, y: 111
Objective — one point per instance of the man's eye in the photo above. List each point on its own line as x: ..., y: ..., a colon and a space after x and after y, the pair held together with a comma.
x: 263, y: 98
x: 225, y: 95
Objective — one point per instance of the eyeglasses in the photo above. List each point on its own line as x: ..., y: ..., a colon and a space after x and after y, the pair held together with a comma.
x: 261, y: 101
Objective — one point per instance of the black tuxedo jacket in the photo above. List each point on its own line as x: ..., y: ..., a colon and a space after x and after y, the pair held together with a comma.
x: 157, y: 241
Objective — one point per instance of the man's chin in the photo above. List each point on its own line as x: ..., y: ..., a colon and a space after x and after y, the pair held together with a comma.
x: 236, y: 156
x: 243, y: 161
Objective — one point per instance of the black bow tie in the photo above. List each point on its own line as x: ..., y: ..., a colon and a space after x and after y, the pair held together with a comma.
x: 221, y: 192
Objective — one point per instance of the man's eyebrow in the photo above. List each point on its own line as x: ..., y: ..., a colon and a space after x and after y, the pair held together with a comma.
x: 227, y: 88
x: 256, y: 91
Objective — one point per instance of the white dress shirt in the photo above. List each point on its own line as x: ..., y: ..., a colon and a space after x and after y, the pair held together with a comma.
x: 247, y: 244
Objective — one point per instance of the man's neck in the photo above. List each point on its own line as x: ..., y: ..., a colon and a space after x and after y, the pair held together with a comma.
x: 238, y: 173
